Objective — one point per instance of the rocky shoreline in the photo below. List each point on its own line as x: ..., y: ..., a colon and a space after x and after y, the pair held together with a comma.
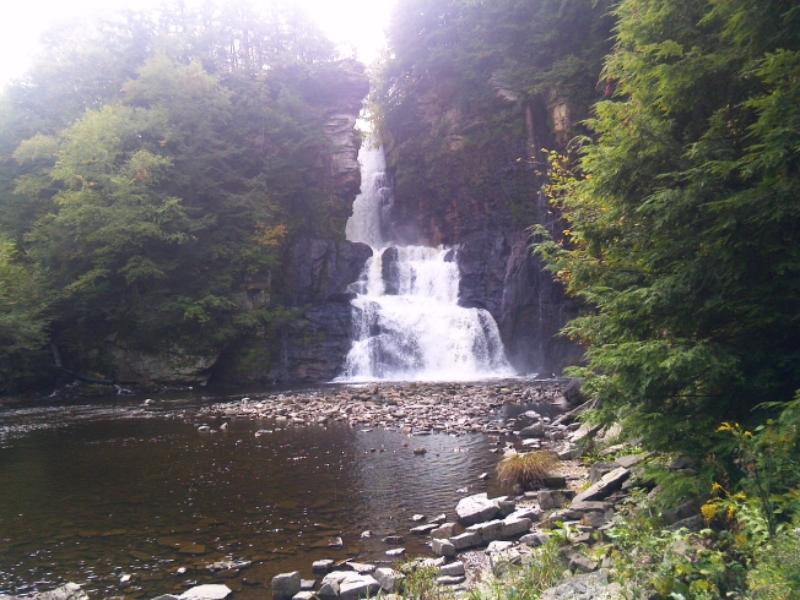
x: 482, y: 536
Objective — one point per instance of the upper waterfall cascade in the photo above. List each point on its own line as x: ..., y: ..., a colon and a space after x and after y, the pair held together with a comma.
x: 407, y: 324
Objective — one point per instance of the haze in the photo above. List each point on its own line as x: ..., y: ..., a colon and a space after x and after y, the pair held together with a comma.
x: 356, y: 26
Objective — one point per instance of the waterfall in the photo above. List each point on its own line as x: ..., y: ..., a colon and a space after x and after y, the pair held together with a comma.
x: 407, y: 324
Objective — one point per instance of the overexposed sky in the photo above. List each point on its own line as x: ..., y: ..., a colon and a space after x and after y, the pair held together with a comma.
x: 356, y: 24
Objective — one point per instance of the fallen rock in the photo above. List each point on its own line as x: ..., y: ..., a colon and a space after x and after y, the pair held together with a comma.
x: 285, y: 585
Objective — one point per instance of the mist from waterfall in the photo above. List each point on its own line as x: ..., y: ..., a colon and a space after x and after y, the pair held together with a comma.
x: 407, y: 324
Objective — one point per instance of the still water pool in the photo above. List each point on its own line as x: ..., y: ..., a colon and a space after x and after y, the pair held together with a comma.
x: 89, y: 493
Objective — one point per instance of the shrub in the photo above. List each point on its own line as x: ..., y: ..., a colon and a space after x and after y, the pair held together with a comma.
x: 527, y: 469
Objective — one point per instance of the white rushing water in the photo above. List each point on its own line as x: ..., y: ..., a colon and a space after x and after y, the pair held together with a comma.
x: 407, y: 324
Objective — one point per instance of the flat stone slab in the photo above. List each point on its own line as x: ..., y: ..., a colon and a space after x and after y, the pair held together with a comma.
x: 453, y: 569
x: 608, y: 483
x: 389, y: 579
x: 211, y: 591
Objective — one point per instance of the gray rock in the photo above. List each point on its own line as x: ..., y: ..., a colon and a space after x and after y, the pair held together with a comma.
x: 533, y: 431
x: 307, y: 584
x: 476, y: 509
x: 304, y: 595
x: 513, y: 527
x: 531, y: 512
x: 608, y: 483
x: 589, y: 505
x: 358, y: 587
x: 423, y: 529
x: 439, y: 519
x: 453, y: 569
x: 389, y: 579
x: 468, y: 539
x: 445, y: 530
x: 209, y: 591
x: 322, y: 566
x: 591, y: 586
x: 68, y: 591
x: 395, y: 552
x: 549, y: 499
x: 498, y: 546
x: 285, y: 585
x: 362, y: 568
x: 488, y: 531
x: 443, y: 547
x: 582, y: 564
x: 328, y: 591
x: 535, y: 539
x: 450, y: 579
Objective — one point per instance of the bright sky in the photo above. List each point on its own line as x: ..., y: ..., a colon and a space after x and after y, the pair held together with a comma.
x: 354, y: 24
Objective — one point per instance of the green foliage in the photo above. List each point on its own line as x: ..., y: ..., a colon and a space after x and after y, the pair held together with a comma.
x: 544, y: 568
x: 23, y: 321
x: 420, y: 583
x: 776, y: 574
x: 156, y: 163
x: 681, y: 219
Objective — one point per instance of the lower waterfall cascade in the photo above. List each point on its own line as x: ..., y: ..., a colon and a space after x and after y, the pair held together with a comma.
x: 407, y: 323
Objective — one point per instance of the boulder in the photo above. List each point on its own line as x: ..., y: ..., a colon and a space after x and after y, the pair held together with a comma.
x: 285, y: 585
x: 476, y: 509
x: 304, y: 595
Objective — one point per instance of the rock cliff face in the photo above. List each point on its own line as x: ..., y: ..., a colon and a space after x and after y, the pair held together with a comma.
x: 310, y: 342
x: 477, y: 188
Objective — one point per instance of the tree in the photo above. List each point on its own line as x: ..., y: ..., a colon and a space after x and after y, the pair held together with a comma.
x: 683, y: 218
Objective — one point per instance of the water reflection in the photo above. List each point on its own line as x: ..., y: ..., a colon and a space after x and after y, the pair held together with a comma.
x: 146, y: 495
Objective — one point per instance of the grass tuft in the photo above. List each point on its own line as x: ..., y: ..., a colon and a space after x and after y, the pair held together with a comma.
x: 527, y: 469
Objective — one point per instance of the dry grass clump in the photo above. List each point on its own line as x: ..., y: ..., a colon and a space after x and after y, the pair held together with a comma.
x: 527, y: 469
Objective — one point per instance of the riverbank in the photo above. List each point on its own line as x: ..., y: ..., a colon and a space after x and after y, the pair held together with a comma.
x: 148, y: 487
